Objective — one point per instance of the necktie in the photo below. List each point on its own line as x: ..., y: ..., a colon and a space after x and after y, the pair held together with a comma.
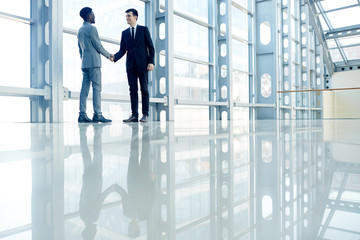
x: 133, y: 33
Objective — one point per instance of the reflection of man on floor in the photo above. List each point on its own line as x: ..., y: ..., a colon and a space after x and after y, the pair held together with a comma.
x: 92, y: 197
x: 141, y: 183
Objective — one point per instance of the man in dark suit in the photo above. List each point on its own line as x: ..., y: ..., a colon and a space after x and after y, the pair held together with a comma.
x: 137, y: 43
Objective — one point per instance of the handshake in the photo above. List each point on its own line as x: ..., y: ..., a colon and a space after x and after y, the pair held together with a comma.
x: 150, y: 66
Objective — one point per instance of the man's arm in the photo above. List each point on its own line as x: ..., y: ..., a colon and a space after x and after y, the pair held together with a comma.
x: 122, y: 50
x: 80, y: 51
x: 95, y: 40
x: 150, y: 47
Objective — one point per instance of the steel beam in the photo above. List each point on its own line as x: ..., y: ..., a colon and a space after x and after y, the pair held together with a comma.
x: 224, y: 63
x: 46, y: 60
x: 328, y: 23
x: 266, y: 56
x: 342, y: 32
x: 352, y: 65
x: 341, y: 8
x: 213, y: 58
x: 315, y: 22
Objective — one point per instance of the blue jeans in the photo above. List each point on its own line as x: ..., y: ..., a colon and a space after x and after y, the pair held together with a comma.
x: 91, y: 75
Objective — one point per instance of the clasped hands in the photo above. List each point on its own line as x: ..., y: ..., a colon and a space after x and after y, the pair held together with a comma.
x: 150, y: 66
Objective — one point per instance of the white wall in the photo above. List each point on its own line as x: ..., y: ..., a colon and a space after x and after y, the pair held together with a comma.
x: 344, y: 103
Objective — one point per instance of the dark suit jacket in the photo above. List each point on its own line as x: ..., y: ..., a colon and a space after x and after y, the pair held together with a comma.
x: 140, y: 52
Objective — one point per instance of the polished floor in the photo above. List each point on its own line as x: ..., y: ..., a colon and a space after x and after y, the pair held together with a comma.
x: 263, y: 179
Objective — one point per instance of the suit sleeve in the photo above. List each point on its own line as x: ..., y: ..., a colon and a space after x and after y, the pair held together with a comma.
x: 97, y: 43
x: 122, y: 50
x: 80, y: 49
x: 150, y: 47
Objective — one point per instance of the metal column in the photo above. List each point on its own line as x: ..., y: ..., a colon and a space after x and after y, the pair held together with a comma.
x: 305, y: 61
x: 213, y: 57
x: 46, y: 60
x: 320, y: 73
x: 164, y: 60
x: 224, y: 63
x: 266, y: 61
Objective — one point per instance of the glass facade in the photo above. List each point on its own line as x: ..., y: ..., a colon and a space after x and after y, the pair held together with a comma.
x: 212, y: 179
x: 215, y: 58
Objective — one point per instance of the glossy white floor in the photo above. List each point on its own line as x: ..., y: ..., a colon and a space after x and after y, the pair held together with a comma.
x: 191, y: 180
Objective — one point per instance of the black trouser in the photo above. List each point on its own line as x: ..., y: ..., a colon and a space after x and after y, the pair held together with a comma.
x: 133, y: 75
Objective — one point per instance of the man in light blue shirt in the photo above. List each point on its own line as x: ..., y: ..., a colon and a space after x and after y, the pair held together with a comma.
x: 90, y: 49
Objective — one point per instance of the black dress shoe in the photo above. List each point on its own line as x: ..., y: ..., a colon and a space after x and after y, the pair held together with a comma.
x: 144, y: 118
x: 84, y: 119
x: 100, y: 118
x: 132, y: 118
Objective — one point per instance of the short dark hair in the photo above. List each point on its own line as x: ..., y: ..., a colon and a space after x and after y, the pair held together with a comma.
x: 84, y: 13
x: 133, y: 10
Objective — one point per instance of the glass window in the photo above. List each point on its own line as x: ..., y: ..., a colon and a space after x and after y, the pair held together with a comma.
x: 17, y: 111
x: 241, y: 113
x: 240, y: 56
x: 239, y: 23
x: 113, y: 75
x: 331, y: 43
x: 243, y: 3
x: 335, y: 55
x: 190, y: 39
x: 333, y: 4
x: 12, y: 7
x: 184, y: 114
x: 240, y: 87
x: 109, y: 15
x: 342, y: 18
x: 324, y: 26
x: 112, y: 110
x: 191, y: 81
x: 349, y: 40
x: 15, y: 70
x: 198, y: 9
x: 352, y: 53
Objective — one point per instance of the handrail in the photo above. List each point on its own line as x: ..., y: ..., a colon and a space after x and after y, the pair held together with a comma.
x: 319, y: 90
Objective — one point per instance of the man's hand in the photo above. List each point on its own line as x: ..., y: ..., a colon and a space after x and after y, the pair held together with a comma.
x: 112, y: 57
x: 150, y: 67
